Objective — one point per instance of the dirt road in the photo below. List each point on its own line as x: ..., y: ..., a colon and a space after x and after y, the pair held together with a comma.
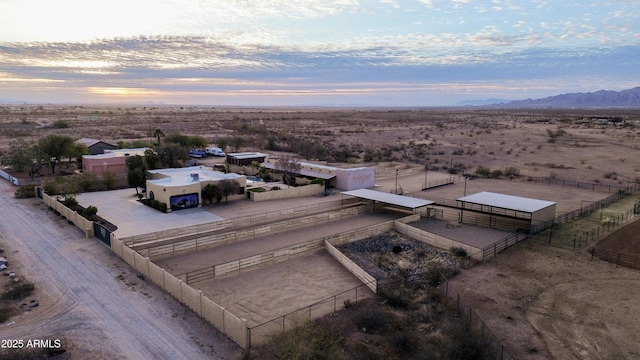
x: 90, y: 299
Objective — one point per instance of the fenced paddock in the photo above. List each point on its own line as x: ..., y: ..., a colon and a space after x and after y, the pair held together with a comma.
x: 180, y: 246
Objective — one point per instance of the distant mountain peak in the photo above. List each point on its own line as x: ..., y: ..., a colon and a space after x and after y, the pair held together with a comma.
x: 599, y: 99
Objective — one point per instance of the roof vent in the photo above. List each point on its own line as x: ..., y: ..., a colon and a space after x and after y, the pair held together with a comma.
x: 195, y: 177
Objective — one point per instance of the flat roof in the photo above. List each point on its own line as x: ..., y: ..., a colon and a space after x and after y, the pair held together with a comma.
x: 388, y: 198
x: 303, y: 172
x: 118, y: 153
x: 246, y: 155
x: 510, y: 202
x: 182, y: 176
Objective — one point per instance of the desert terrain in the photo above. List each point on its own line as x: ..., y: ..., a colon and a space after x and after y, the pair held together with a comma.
x: 541, y: 301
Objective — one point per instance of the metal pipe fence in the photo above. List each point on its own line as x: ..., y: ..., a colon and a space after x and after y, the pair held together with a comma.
x: 262, y: 332
x: 620, y: 259
x: 474, y: 322
x: 583, y: 238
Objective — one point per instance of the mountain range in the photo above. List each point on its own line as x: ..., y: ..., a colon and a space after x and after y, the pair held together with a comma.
x: 600, y: 99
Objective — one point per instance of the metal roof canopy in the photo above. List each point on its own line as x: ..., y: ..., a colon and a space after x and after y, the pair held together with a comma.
x: 508, y: 202
x: 388, y: 198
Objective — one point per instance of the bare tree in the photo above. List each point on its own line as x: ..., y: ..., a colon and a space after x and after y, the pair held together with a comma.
x: 289, y: 167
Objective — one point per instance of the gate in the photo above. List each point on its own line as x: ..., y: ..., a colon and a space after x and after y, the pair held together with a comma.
x: 102, y: 233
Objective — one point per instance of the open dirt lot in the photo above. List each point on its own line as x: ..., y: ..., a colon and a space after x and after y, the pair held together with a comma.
x: 293, y: 284
x: 544, y: 302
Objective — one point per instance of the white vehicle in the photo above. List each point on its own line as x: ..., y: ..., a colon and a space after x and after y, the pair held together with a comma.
x: 215, y: 151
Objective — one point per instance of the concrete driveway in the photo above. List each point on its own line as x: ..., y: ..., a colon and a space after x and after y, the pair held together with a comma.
x: 121, y: 208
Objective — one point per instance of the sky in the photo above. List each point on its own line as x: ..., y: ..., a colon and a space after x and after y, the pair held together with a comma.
x: 314, y: 52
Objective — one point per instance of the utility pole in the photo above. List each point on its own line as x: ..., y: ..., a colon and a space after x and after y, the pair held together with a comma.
x: 396, y: 191
x: 426, y: 170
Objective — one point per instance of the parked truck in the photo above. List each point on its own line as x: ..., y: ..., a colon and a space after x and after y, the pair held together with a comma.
x: 215, y: 151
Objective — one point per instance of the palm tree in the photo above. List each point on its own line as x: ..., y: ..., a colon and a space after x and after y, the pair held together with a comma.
x: 157, y: 134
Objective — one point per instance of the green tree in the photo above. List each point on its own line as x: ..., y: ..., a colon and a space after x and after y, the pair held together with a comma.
x: 228, y: 187
x: 151, y: 159
x: 78, y: 150
x: 20, y: 155
x: 320, y: 152
x: 211, y: 191
x: 177, y: 138
x: 222, y: 143
x: 171, y: 153
x: 237, y: 142
x: 136, y: 172
x: 272, y: 143
x: 158, y: 133
x: 55, y: 147
x: 198, y: 142
x: 305, y: 148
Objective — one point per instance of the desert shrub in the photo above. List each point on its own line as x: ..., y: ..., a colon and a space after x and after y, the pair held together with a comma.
x: 483, y: 171
x: 395, y: 297
x: 457, y: 251
x: 405, y: 344
x: 5, y: 313
x: 60, y: 124
x: 465, y: 345
x: 433, y: 273
x: 25, y: 191
x: 70, y: 201
x: 257, y: 190
x: 86, y: 181
x: 371, y: 319
x: 317, y: 181
x: 309, y: 341
x: 18, y: 290
x: 512, y: 172
x: 109, y: 180
x: 275, y: 188
x: 495, y: 174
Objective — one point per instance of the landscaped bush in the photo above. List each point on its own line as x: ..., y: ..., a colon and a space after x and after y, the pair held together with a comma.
x: 90, y: 211
x: 70, y: 201
x: 25, y: 192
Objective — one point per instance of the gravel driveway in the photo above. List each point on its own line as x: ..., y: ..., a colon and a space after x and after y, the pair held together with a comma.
x: 90, y: 299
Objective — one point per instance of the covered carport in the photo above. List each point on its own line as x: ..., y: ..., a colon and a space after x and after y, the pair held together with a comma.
x: 388, y: 201
x: 506, y: 212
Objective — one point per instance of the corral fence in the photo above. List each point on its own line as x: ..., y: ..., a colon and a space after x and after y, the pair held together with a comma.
x: 582, y: 185
x: 620, y: 259
x: 501, y: 245
x: 473, y: 322
x: 582, y: 238
x: 236, y: 266
x: 262, y: 332
x: 203, y: 230
x: 442, y: 182
x: 589, y: 208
